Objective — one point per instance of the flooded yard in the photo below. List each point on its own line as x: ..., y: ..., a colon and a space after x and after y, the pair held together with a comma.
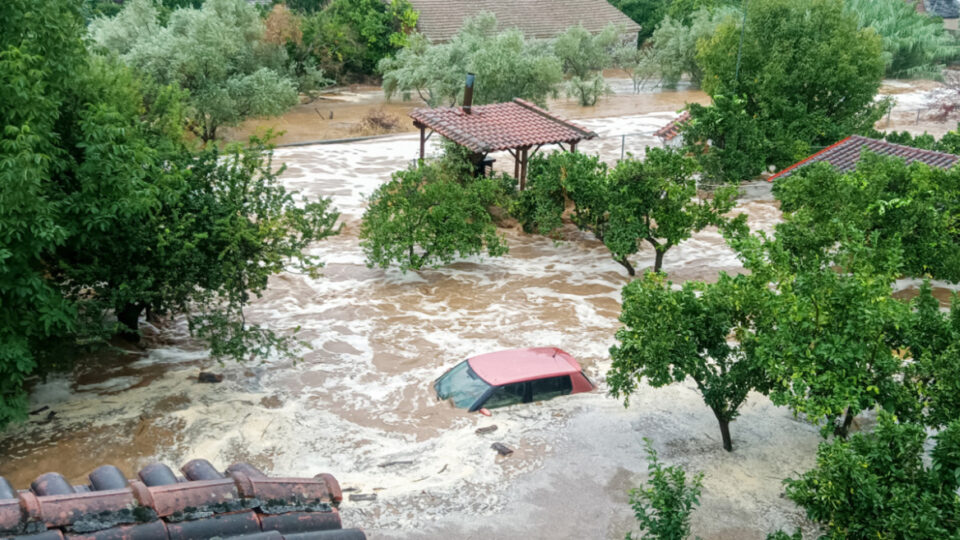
x: 359, y: 404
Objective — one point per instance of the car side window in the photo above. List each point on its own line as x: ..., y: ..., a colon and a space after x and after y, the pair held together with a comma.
x: 544, y: 389
x: 508, y: 394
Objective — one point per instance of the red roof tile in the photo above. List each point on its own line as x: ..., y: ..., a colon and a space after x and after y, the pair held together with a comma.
x: 441, y: 19
x: 499, y: 126
x: 241, y: 502
x: 845, y: 155
x: 671, y: 130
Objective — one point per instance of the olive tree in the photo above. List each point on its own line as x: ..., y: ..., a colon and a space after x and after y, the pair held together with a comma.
x: 506, y: 64
x: 584, y: 56
x: 215, y: 52
x: 670, y: 335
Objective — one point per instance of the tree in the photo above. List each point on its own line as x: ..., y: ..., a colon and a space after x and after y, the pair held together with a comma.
x: 876, y: 485
x: 653, y: 201
x: 107, y: 211
x: 663, y: 508
x: 215, y: 52
x: 670, y: 335
x: 673, y: 53
x: 646, y: 13
x: 808, y: 74
x: 914, y: 44
x: 379, y: 29
x: 657, y: 202
x: 584, y: 57
x: 912, y: 206
x: 428, y: 215
x: 507, y: 66
x: 726, y: 140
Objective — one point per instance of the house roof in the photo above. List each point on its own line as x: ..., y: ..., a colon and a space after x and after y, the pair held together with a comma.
x: 845, y: 155
x: 241, y: 502
x: 520, y: 365
x: 441, y: 19
x: 500, y: 126
x: 947, y: 9
x: 672, y: 129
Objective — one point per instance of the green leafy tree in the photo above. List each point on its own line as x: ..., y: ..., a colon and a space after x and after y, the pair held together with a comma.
x: 673, y: 52
x: 215, y: 52
x: 808, y: 73
x: 507, y: 66
x: 670, y: 335
x: 428, y: 215
x: 584, y: 56
x: 663, y: 507
x: 657, y: 202
x: 726, y: 140
x: 646, y: 13
x: 378, y: 30
x: 913, y: 206
x: 106, y: 212
x: 914, y: 44
x: 876, y: 485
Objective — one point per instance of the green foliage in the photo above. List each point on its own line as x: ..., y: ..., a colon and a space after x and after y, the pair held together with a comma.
x: 914, y: 207
x: 105, y: 212
x: 737, y: 148
x: 507, y: 66
x: 685, y: 10
x: 214, y: 52
x: 914, y: 44
x: 430, y: 215
x: 673, y: 53
x: 646, y: 13
x: 657, y: 202
x: 949, y: 143
x: 808, y: 73
x: 654, y: 201
x: 584, y: 57
x: 877, y: 486
x: 663, y: 507
x: 671, y: 334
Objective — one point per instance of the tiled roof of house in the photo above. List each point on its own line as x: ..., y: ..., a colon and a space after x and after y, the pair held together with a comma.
x: 845, y: 155
x: 947, y: 9
x: 671, y: 130
x: 441, y: 19
x: 499, y: 126
x: 241, y: 503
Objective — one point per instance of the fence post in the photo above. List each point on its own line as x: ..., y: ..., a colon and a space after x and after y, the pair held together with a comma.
x: 623, y: 146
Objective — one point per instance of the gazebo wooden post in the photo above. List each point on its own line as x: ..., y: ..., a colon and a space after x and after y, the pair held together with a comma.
x: 573, y: 147
x: 523, y: 168
x: 516, y: 166
x: 423, y: 140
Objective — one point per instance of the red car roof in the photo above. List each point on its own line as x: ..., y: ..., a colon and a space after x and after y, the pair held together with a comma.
x: 520, y: 365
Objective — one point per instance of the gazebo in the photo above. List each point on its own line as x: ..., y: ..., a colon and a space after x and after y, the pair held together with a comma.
x: 517, y: 126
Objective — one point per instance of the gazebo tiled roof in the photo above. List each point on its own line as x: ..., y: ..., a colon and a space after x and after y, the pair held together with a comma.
x: 845, y: 155
x: 500, y: 126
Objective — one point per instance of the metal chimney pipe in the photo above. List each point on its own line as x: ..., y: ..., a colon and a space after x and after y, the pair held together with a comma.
x: 468, y: 93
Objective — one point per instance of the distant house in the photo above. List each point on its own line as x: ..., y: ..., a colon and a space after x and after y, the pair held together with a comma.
x: 441, y: 19
x: 845, y: 155
x: 945, y: 9
x: 671, y: 135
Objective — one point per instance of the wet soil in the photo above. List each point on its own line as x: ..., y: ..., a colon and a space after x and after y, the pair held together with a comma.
x: 359, y: 394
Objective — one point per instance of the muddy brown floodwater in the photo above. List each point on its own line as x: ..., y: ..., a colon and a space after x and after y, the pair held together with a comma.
x: 359, y: 397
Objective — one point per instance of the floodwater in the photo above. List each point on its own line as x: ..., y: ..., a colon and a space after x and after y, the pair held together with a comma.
x: 358, y: 402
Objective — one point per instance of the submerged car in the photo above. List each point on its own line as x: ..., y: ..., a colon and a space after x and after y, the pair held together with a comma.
x: 508, y: 377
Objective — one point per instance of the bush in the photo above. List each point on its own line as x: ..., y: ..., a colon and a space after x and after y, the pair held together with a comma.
x: 663, y: 507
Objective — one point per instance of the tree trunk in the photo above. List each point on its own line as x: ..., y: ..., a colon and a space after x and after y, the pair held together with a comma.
x: 725, y: 433
x: 844, y: 429
x: 129, y: 319
x: 658, y: 262
x: 626, y: 264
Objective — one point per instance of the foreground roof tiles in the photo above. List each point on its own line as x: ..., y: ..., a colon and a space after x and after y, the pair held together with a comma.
x: 672, y: 129
x: 845, y: 155
x: 441, y: 19
x: 241, y: 503
x: 500, y: 126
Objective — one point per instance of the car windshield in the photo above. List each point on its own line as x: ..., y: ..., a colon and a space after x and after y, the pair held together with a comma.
x: 461, y: 385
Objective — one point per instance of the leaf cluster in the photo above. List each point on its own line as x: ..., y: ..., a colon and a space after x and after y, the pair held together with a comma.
x: 663, y: 506
x: 430, y: 215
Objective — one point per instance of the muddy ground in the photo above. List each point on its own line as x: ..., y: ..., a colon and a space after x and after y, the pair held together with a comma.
x: 359, y: 397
